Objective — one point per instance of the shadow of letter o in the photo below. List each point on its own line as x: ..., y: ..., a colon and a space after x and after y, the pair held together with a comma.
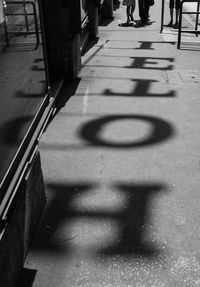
x: 161, y: 131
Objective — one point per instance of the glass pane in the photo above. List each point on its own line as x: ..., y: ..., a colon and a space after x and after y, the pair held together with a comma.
x: 22, y: 77
x: 83, y: 9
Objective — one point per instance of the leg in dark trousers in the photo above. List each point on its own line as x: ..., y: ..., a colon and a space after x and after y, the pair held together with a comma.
x: 143, y: 10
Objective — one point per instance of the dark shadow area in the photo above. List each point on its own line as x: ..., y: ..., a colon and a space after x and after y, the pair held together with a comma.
x: 38, y: 60
x: 59, y: 209
x: 126, y: 24
x: 140, y: 62
x: 133, y: 219
x: 90, y: 44
x: 21, y: 94
x: 144, y: 45
x: 26, y: 278
x: 141, y: 90
x: 152, y: 42
x: 68, y: 90
x: 147, y: 45
x: 174, y: 29
x: 11, y: 132
x: 116, y: 4
x: 138, y: 24
x: 106, y: 22
x: 37, y: 69
x: 160, y: 131
x: 19, y: 47
x: 134, y: 222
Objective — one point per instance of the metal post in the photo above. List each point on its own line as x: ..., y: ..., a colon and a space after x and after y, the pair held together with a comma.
x: 197, y: 18
x: 44, y: 46
x: 6, y: 32
x: 5, y: 24
x: 180, y: 26
x: 162, y: 15
x: 36, y: 24
x: 25, y: 16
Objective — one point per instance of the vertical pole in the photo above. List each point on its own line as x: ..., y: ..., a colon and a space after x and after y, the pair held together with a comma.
x: 25, y: 16
x: 162, y: 15
x: 180, y: 26
x: 6, y: 32
x: 36, y: 24
x: 5, y: 24
x: 197, y: 18
x: 41, y: 20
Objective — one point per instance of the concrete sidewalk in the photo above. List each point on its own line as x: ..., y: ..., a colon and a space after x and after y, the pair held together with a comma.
x: 121, y: 166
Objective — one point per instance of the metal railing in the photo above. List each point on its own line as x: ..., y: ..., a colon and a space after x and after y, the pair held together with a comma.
x: 162, y: 16
x: 180, y: 19
x: 195, y: 30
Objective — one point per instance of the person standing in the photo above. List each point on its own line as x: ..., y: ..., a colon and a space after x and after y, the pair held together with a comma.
x: 174, y: 4
x: 130, y: 8
x: 144, y: 11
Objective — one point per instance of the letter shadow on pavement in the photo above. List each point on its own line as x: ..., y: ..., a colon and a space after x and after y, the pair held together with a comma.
x: 59, y: 211
x: 141, y: 90
x: 134, y: 222
x: 140, y: 62
x: 160, y: 130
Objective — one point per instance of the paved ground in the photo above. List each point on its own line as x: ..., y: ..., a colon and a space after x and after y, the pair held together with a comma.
x: 121, y: 166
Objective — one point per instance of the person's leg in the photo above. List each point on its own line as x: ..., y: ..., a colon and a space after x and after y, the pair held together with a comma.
x: 146, y: 11
x: 140, y: 6
x: 171, y: 14
x: 127, y: 13
x: 171, y: 10
x: 132, y: 9
x: 143, y: 11
x: 177, y: 14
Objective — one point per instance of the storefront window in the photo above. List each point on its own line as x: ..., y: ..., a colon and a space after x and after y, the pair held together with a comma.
x: 22, y: 77
x: 83, y: 9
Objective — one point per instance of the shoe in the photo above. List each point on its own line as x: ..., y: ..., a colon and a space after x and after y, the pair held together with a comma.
x: 144, y: 23
x: 170, y: 24
x: 176, y: 25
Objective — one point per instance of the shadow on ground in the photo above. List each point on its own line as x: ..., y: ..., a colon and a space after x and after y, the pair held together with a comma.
x: 160, y: 131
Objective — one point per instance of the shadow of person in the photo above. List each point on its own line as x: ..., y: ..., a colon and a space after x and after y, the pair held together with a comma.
x: 126, y: 24
x: 139, y: 24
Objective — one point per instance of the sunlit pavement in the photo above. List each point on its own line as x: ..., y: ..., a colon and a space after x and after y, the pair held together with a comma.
x: 121, y: 165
